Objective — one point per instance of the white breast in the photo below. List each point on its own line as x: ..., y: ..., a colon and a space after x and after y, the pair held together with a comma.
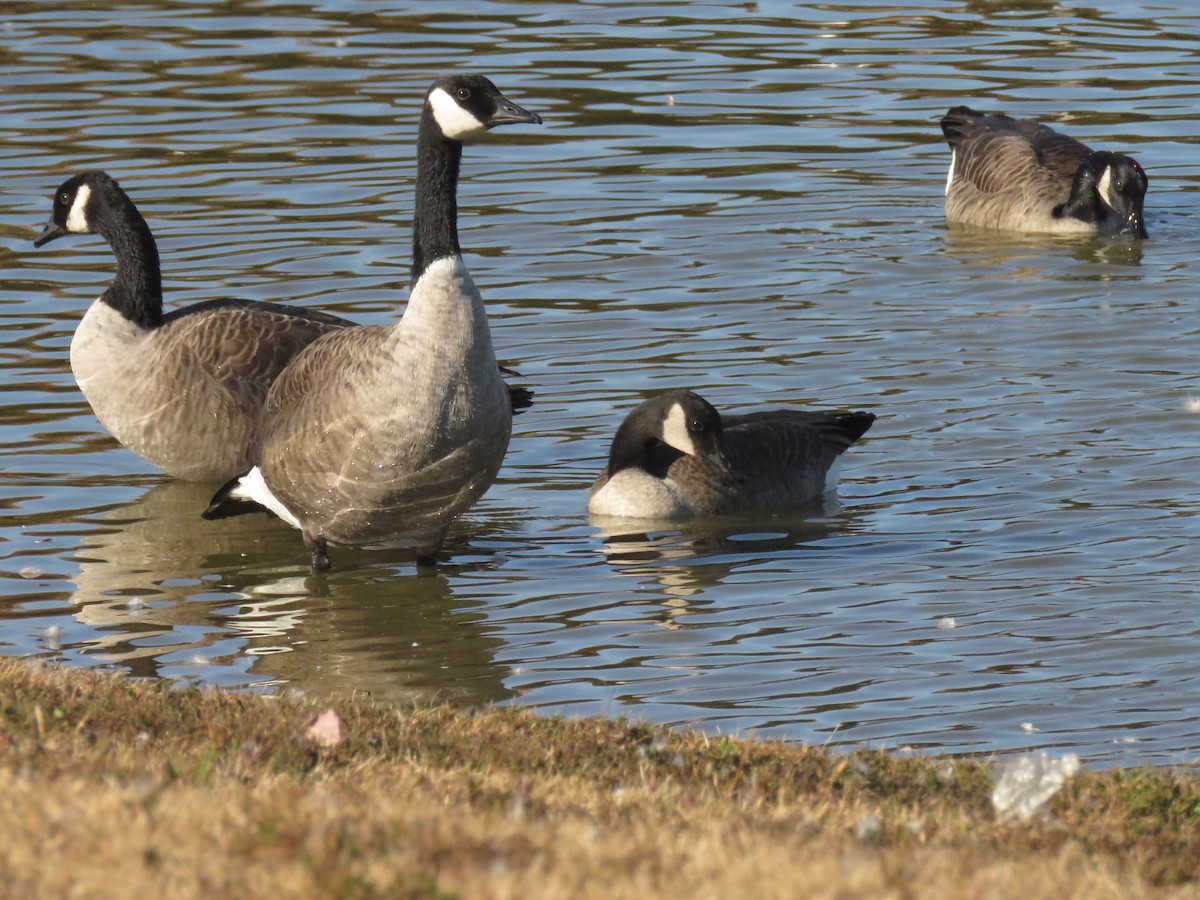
x: 637, y: 494
x: 102, y: 351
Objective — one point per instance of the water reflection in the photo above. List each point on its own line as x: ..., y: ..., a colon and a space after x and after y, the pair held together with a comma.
x: 168, y: 594
x: 683, y: 562
x: 399, y: 639
x: 979, y: 247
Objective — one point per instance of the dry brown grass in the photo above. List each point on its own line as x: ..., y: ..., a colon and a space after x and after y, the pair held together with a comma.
x: 120, y: 788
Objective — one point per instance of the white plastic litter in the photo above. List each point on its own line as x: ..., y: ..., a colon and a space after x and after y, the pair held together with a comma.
x: 1022, y: 785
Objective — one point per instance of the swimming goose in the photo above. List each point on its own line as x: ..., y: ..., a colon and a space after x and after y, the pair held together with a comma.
x: 183, y: 389
x: 1015, y: 174
x: 675, y: 455
x: 386, y: 433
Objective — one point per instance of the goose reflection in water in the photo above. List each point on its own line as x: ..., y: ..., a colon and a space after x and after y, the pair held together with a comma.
x: 1024, y: 257
x: 152, y: 582
x: 685, y: 560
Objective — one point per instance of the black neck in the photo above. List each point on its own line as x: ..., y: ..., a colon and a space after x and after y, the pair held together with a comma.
x: 648, y: 454
x: 435, y: 216
x: 1083, y: 204
x: 136, y: 291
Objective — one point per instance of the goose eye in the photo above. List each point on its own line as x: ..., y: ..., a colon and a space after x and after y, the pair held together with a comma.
x: 64, y: 197
x: 463, y: 93
x: 696, y: 426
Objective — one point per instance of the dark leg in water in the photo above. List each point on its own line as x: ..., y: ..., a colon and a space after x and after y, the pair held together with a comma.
x: 320, y: 554
x: 427, y: 551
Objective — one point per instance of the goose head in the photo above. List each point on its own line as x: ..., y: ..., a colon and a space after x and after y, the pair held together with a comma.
x: 467, y: 105
x: 665, y: 428
x: 1118, y: 185
x: 78, y: 206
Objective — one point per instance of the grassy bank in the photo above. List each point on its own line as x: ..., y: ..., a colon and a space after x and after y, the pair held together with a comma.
x: 119, y: 788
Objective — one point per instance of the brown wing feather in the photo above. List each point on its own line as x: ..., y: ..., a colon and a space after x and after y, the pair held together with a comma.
x: 776, y: 458
x: 243, y: 345
x: 1008, y: 173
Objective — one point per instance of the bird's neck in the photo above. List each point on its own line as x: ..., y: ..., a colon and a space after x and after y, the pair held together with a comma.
x: 1083, y: 202
x: 435, y: 215
x: 136, y: 291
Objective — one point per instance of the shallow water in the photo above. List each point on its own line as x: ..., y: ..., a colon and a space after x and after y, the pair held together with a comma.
x: 741, y: 199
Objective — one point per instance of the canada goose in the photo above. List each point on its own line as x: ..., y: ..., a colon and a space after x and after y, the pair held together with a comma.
x: 1017, y: 175
x: 386, y: 433
x: 184, y: 389
x: 675, y: 455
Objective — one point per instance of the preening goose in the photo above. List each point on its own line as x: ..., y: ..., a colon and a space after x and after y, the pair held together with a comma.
x: 1017, y: 175
x: 386, y: 433
x: 183, y: 389
x: 675, y: 455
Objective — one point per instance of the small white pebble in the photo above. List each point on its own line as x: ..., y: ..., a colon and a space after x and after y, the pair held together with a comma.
x: 947, y: 622
x: 52, y: 635
x: 1029, y: 727
x: 31, y: 572
x: 1191, y: 404
x: 670, y: 100
x: 868, y: 828
x: 197, y: 659
x: 136, y: 604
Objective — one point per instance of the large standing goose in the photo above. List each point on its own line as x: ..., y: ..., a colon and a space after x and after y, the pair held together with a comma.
x: 1017, y: 175
x: 184, y: 389
x: 385, y: 433
x: 675, y: 456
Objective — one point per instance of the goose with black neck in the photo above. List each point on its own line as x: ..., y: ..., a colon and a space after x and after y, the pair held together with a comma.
x: 182, y: 389
x: 1017, y: 175
x: 384, y: 434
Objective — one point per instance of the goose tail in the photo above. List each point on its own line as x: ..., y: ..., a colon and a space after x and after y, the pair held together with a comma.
x: 958, y: 122
x: 854, y: 425
x: 247, y: 493
x: 227, y: 502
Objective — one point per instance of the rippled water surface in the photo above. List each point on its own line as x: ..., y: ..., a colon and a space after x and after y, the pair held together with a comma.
x: 741, y: 199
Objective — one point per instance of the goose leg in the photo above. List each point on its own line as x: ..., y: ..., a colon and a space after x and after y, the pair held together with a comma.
x: 427, y: 551
x: 320, y: 553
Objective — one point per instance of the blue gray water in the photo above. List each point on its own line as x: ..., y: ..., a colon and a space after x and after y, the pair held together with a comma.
x: 741, y: 199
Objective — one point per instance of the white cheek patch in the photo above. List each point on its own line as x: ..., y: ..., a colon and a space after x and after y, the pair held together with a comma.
x: 675, y: 431
x: 456, y: 123
x: 950, y: 174
x: 1105, y: 187
x: 77, y: 220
